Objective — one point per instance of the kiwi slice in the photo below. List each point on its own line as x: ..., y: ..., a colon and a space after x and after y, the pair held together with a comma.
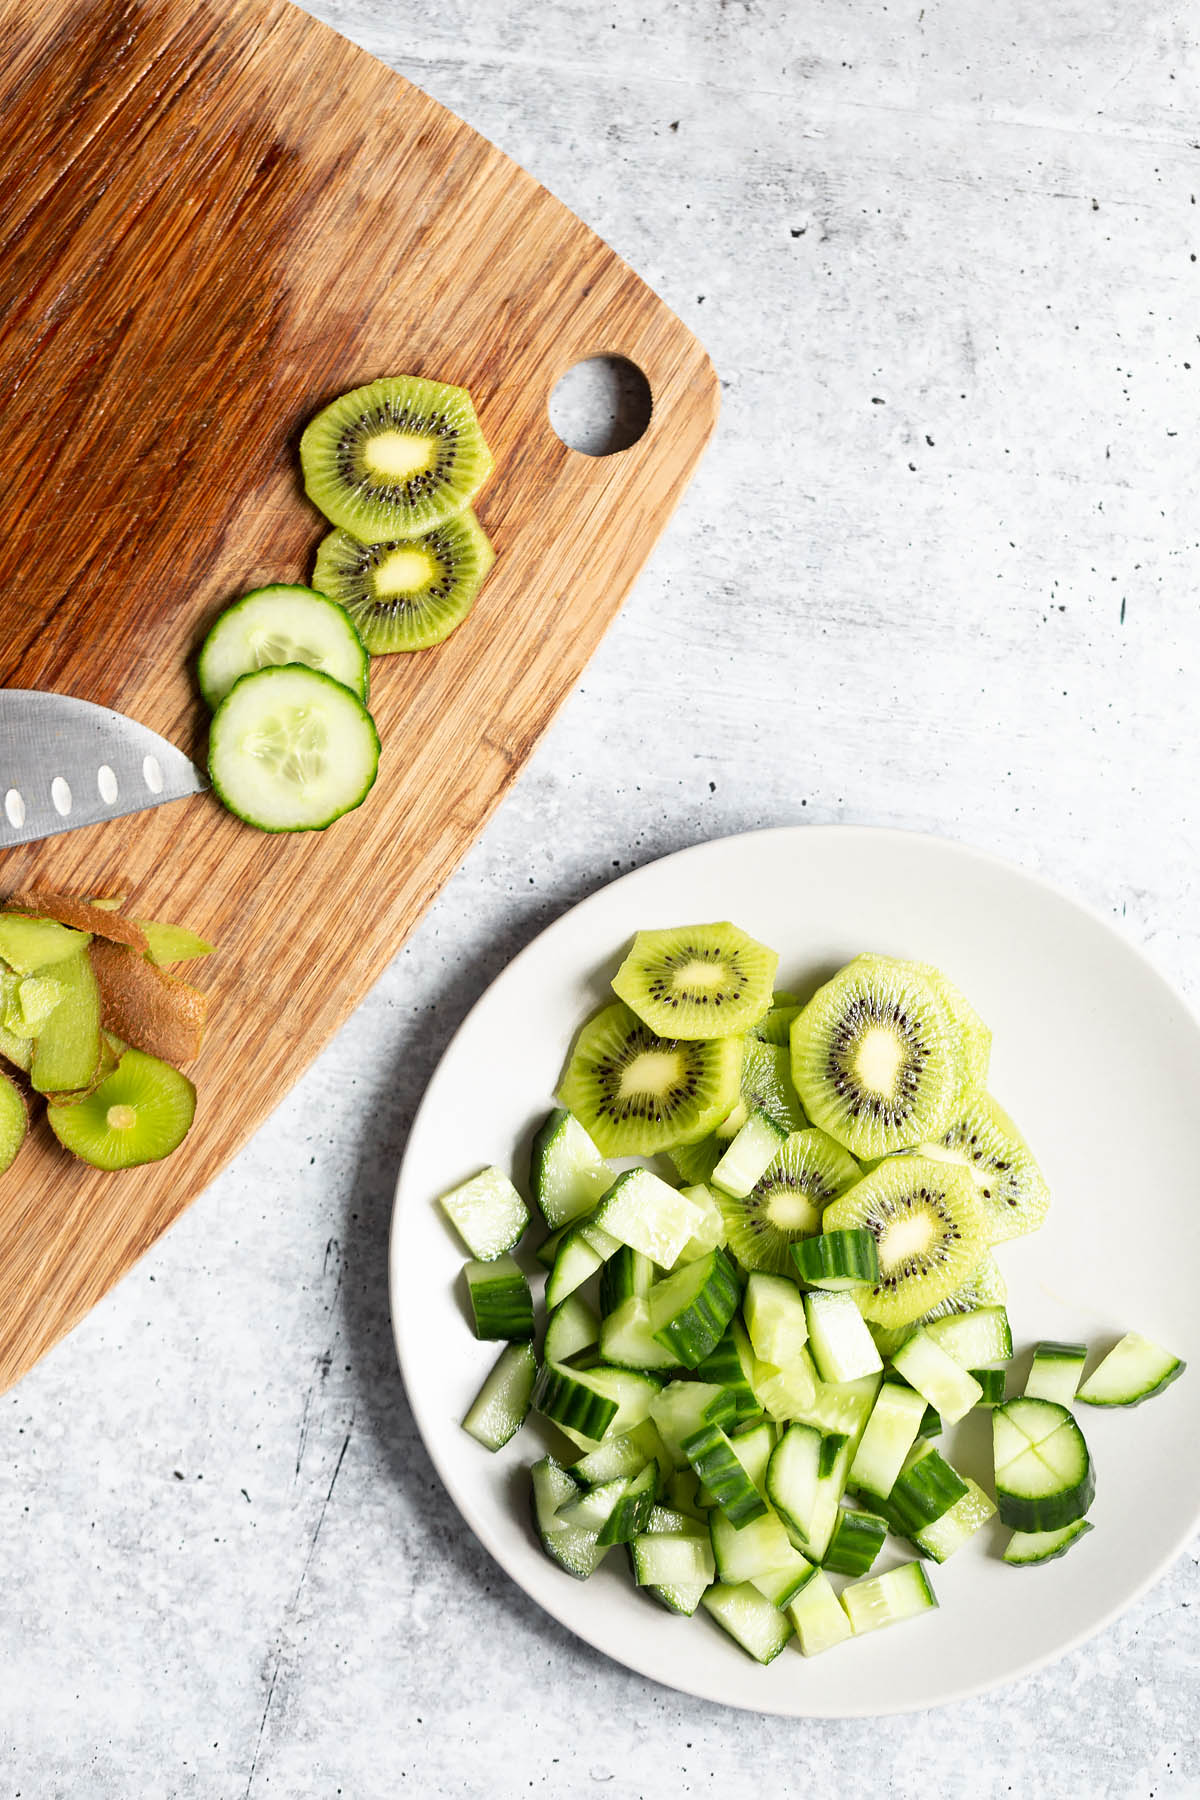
x: 877, y: 1059
x: 141, y: 1113
x: 395, y: 458
x: 694, y: 1163
x: 775, y: 1027
x: 637, y: 1093
x: 976, y: 1036
x: 14, y: 1121
x: 1011, y: 1187
x: 406, y: 593
x: 788, y: 1203
x: 697, y: 981
x: 986, y: 1286
x: 929, y: 1230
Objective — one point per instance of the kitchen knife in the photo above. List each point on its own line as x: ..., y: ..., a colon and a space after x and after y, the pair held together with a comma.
x: 65, y: 763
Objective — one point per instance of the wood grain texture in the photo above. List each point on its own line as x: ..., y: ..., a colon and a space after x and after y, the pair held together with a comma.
x: 211, y: 222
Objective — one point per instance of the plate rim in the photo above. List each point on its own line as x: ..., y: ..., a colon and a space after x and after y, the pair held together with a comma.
x: 877, y: 833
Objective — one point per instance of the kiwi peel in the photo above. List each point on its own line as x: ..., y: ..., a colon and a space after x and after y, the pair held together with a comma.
x: 636, y: 1093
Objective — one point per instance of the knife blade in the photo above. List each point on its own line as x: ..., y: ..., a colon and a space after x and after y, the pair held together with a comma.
x: 65, y: 763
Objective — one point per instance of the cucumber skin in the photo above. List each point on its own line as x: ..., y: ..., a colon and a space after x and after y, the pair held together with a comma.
x: 1050, y: 1513
x: 1066, y: 1536
x: 218, y: 787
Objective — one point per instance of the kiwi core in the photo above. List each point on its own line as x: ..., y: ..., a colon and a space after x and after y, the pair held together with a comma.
x: 121, y: 1118
x: 906, y: 1240
x: 711, y: 975
x: 790, y: 1209
x: 651, y: 1072
x: 403, y: 572
x: 395, y: 455
x: 879, y: 1059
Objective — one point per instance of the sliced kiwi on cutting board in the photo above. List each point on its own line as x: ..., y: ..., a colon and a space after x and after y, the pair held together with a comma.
x: 877, y: 1058
x: 395, y: 458
x: 788, y: 1202
x: 406, y: 593
x: 929, y: 1230
x: 697, y: 981
x: 139, y: 1114
x: 637, y: 1093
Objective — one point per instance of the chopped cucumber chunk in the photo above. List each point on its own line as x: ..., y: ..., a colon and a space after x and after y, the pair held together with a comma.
x: 640, y: 1210
x: 818, y: 1616
x: 671, y: 1560
x: 949, y: 1533
x: 1055, y: 1372
x: 1025, y: 1548
x: 837, y: 1259
x: 502, y: 1403
x: 1134, y: 1370
x: 689, y: 1310
x: 501, y: 1303
x: 890, y: 1434
x: 856, y: 1542
x: 842, y: 1347
x: 567, y: 1174
x: 577, y: 1551
x: 888, y: 1599
x: 751, y: 1621
x: 775, y: 1318
x: 974, y: 1338
x: 488, y: 1214
x: 571, y: 1327
x: 750, y: 1155
x: 926, y: 1366
x: 627, y: 1339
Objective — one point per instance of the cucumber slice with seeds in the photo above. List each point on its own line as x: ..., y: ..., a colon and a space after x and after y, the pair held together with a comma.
x: 1055, y: 1371
x: 291, y: 749
x: 502, y: 1403
x: 1044, y: 1477
x: 281, y: 624
x: 567, y: 1174
x: 1134, y: 1370
x: 488, y: 1214
x: 888, y: 1599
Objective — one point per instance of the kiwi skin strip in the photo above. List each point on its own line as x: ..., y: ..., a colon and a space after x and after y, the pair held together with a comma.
x: 150, y: 1009
x: 80, y: 915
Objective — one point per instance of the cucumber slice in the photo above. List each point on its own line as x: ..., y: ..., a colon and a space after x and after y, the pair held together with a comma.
x: 753, y: 1446
x: 935, y: 1374
x: 891, y: 1432
x: 788, y: 1393
x: 683, y: 1408
x: 923, y: 1492
x: 571, y: 1327
x: 630, y: 1515
x: 818, y: 1616
x: 718, y: 1467
x: 844, y: 1407
x: 856, y: 1542
x: 711, y: 1233
x: 690, y: 1309
x: 781, y: 1586
x: 949, y: 1533
x: 488, y: 1214
x: 1056, y: 1371
x: 291, y: 749
x: 991, y: 1387
x: 574, y: 1262
x: 842, y: 1347
x: 805, y: 1480
x: 568, y: 1397
x: 501, y: 1303
x: 627, y: 1339
x: 888, y: 1599
x: 1025, y: 1548
x: 627, y: 1275
x: 974, y: 1338
x: 626, y: 1454
x: 276, y: 625
x: 672, y: 1560
x: 576, y: 1551
x: 1044, y: 1476
x: 754, y: 1550
x: 837, y: 1259
x: 760, y: 1628
x: 668, y: 1519
x: 1133, y: 1371
x: 567, y: 1174
x: 750, y: 1155
x: 642, y: 1211
x: 502, y: 1403
x: 727, y: 1365
x: 773, y: 1308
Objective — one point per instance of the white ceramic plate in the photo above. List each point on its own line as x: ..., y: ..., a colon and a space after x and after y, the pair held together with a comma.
x: 1098, y: 1061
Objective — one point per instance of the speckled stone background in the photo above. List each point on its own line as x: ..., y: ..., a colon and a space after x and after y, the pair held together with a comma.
x: 938, y: 570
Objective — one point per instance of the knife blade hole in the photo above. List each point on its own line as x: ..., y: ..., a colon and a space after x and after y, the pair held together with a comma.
x: 153, y: 774
x: 14, y: 809
x: 106, y: 781
x: 601, y: 405
x: 60, y: 793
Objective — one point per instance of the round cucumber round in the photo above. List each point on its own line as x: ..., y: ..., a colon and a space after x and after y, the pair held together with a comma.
x: 276, y: 625
x: 291, y: 749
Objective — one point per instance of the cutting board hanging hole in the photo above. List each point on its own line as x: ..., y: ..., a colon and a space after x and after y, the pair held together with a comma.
x: 601, y: 405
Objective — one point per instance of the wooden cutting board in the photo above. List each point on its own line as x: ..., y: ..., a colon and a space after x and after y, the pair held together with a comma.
x: 213, y: 219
